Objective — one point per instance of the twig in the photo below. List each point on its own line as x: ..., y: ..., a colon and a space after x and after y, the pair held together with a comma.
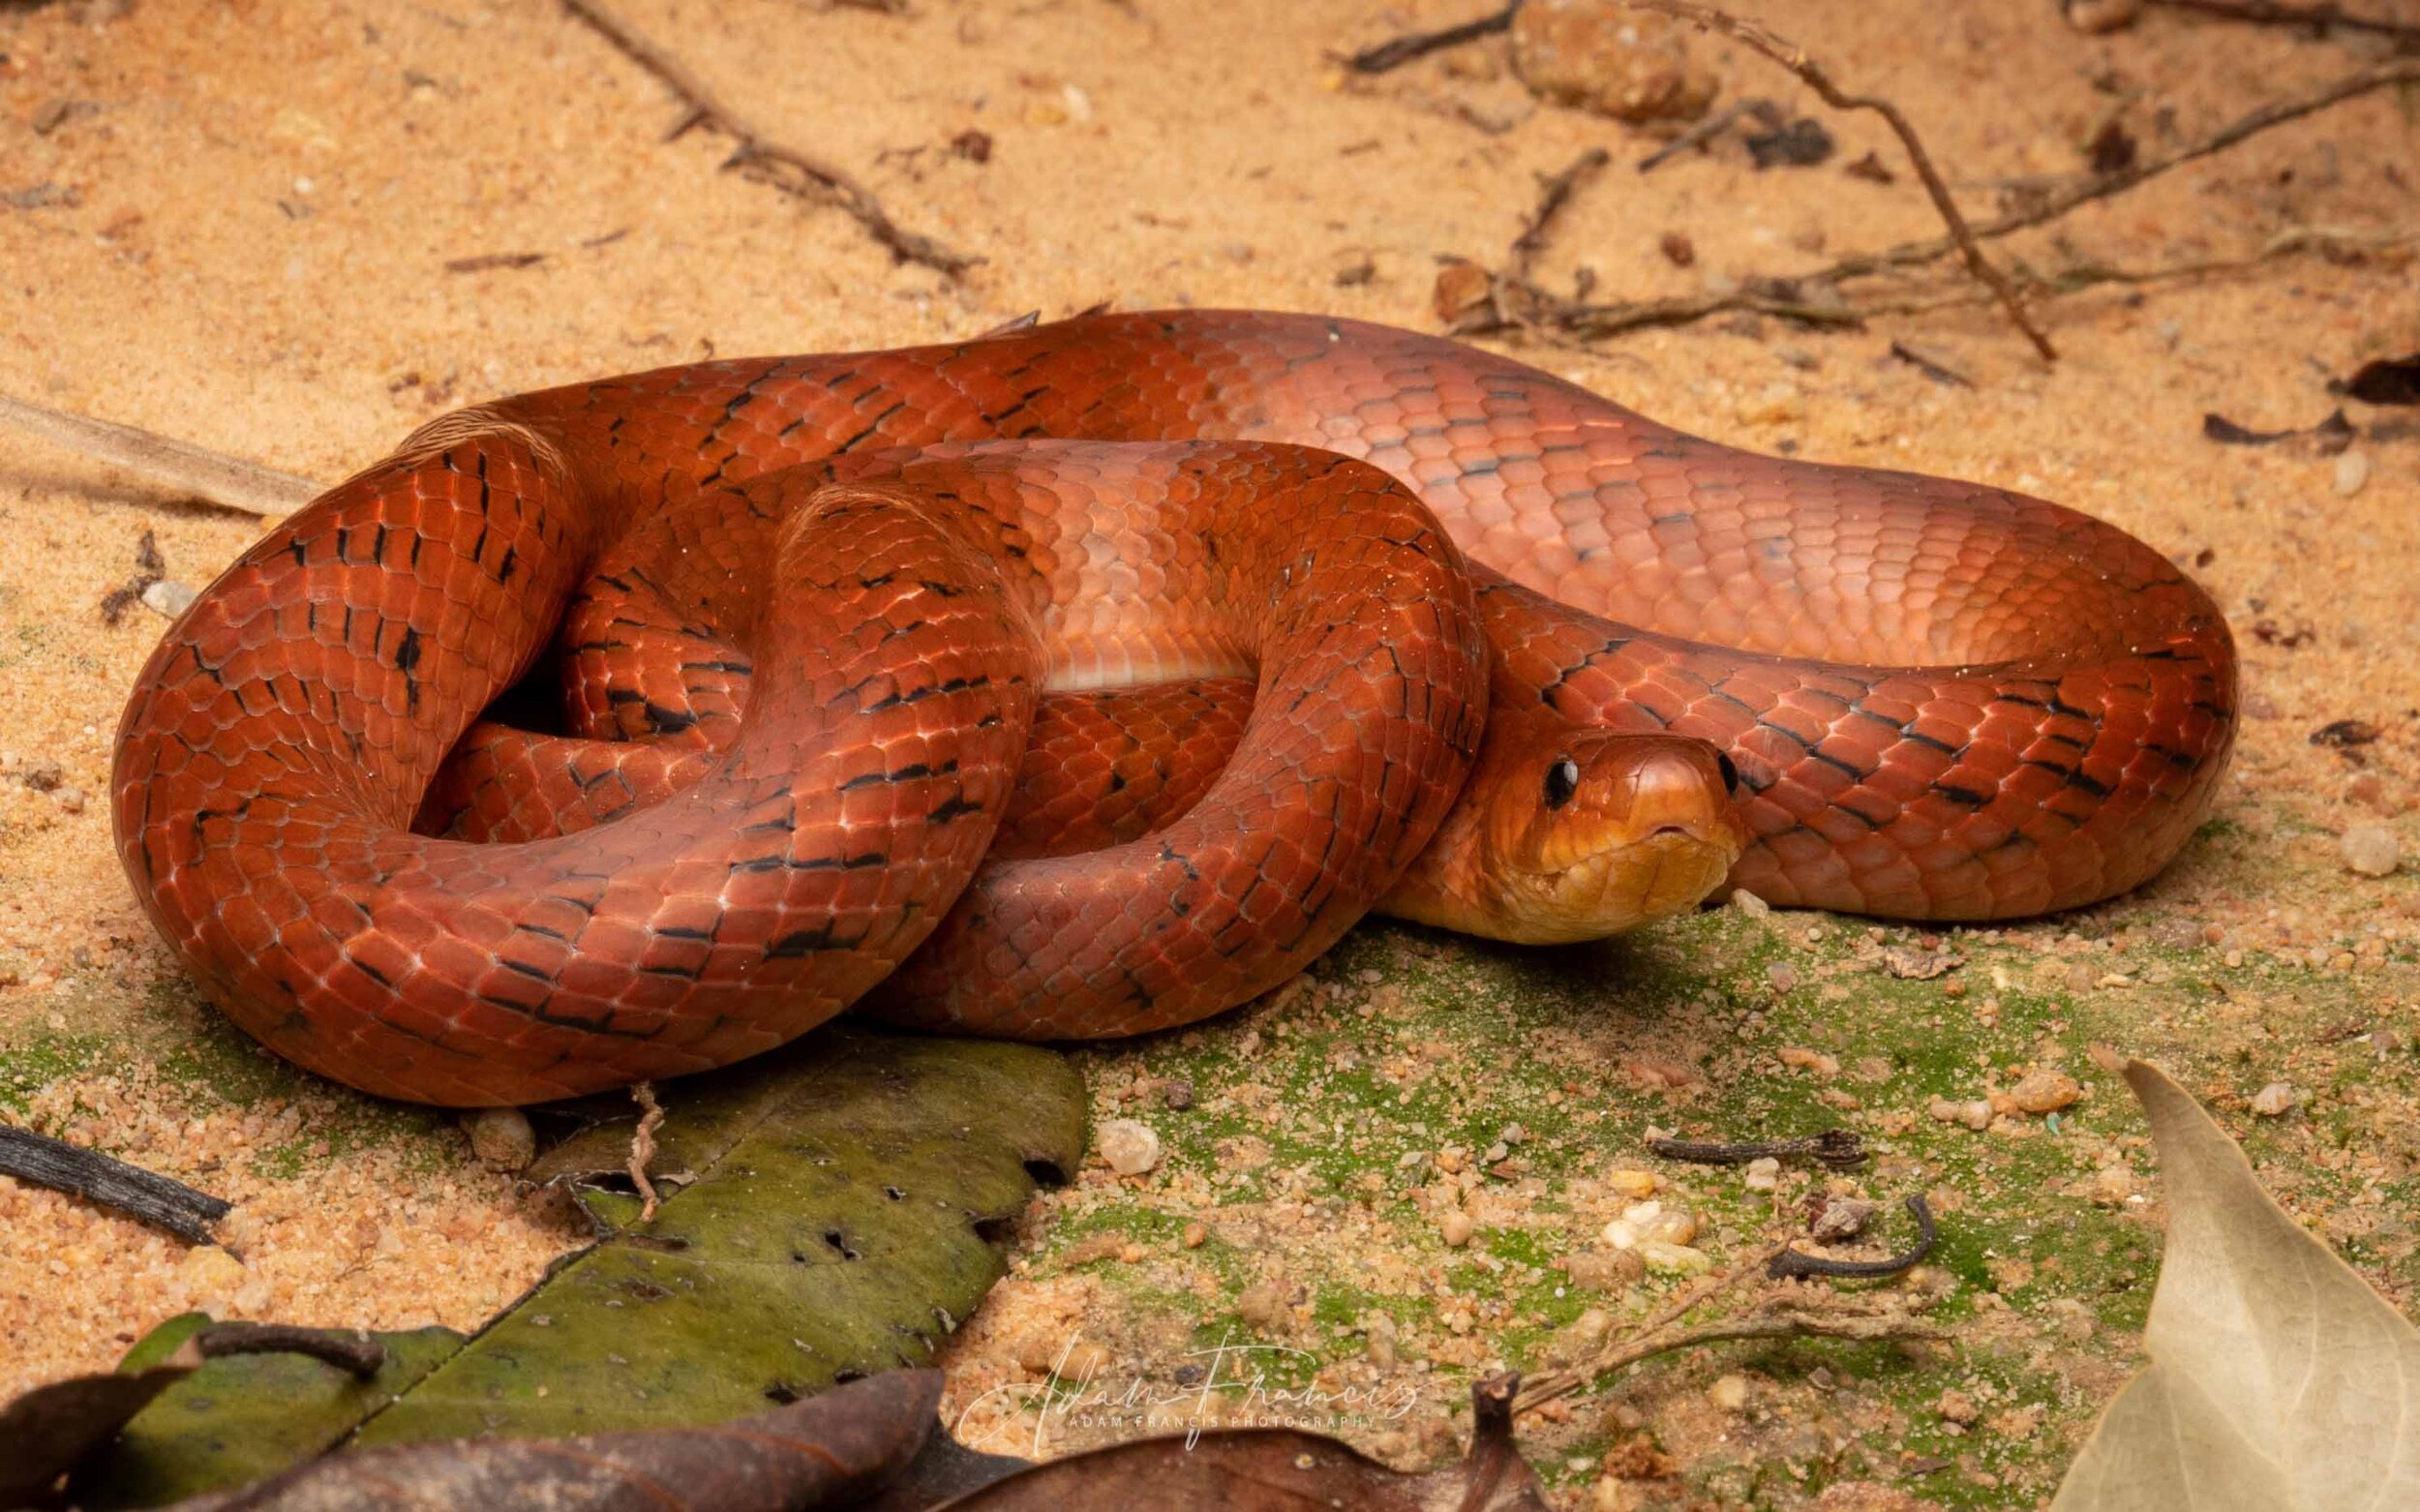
x: 208, y: 475
x: 643, y: 1146
x: 1394, y: 54
x: 1549, y: 1385
x: 356, y: 1353
x: 786, y: 168
x: 1553, y: 194
x: 2320, y: 16
x: 1839, y: 1149
x: 1792, y: 57
x: 2276, y: 112
x: 114, y: 1184
x: 1793, y: 1263
x: 1707, y: 129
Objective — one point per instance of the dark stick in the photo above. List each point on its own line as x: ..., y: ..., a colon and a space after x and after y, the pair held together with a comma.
x: 1553, y: 194
x: 356, y: 1353
x: 1707, y: 129
x: 1840, y: 1149
x: 2261, y: 13
x: 786, y: 168
x: 2276, y: 112
x: 1793, y: 59
x: 1403, y: 50
x: 1793, y: 1263
x: 112, y: 1184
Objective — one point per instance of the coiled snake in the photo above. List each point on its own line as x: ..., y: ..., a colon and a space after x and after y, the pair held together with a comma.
x: 829, y: 627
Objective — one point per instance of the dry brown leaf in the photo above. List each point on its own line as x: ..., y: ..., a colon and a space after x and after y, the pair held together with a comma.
x: 2279, y: 1380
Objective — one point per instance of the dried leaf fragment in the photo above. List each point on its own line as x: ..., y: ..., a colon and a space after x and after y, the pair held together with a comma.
x: 2278, y: 1379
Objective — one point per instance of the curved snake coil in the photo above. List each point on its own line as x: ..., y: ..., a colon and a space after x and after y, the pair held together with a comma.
x: 807, y: 610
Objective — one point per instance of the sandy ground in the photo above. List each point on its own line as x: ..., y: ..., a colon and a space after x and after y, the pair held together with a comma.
x: 245, y: 238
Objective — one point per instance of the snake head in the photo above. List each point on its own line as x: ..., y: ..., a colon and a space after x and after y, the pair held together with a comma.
x: 1568, y: 833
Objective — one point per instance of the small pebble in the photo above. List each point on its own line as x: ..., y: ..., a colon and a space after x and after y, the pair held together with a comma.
x: 1196, y: 1235
x: 1604, y: 1270
x: 1456, y: 1229
x: 501, y: 1138
x: 2370, y: 851
x: 1177, y: 1095
x: 1262, y: 1307
x: 1974, y: 1114
x: 1956, y: 1406
x: 1674, y: 1259
x: 1083, y: 1360
x: 2352, y: 470
x: 2274, y: 1101
x: 70, y: 799
x: 1842, y: 1218
x: 1774, y: 403
x: 211, y: 1276
x: 1764, y: 1174
x: 1729, y: 1392
x: 167, y: 599
x: 1637, y: 1185
x: 1750, y: 904
x: 2112, y: 1185
x: 2045, y: 1092
x: 1782, y: 975
x: 1130, y: 1147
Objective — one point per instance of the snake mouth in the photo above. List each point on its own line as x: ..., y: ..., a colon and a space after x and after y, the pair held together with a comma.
x: 1624, y: 885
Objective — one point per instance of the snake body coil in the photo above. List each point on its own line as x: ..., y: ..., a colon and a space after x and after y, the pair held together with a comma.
x: 808, y: 610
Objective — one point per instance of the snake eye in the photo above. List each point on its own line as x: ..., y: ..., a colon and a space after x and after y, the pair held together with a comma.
x: 1731, y: 773
x: 1562, y: 780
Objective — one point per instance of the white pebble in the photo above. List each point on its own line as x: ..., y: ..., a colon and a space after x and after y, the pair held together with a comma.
x: 2275, y: 1100
x: 2370, y: 850
x: 168, y: 598
x: 2352, y: 470
x: 1131, y: 1148
x: 1764, y: 1174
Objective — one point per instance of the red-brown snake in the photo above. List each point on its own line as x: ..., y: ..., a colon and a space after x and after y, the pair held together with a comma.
x: 817, y: 602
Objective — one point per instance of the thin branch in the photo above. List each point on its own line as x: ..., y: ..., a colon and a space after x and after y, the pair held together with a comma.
x: 1398, y: 52
x: 1792, y: 56
x: 356, y: 1353
x: 2275, y: 114
x: 208, y: 475
x: 643, y: 1146
x: 2263, y: 13
x: 788, y: 170
x: 1554, y: 195
x: 114, y: 1184
x: 1861, y: 1328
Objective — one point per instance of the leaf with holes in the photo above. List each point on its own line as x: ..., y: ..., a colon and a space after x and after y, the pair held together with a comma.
x: 240, y: 1417
x: 834, y: 1208
x: 848, y: 1208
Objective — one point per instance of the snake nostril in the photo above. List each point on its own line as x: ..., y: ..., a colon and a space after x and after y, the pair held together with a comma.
x: 1731, y: 773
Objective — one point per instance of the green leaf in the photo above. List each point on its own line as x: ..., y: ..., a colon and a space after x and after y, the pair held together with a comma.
x: 846, y: 1208
x: 846, y: 1214
x: 242, y: 1417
